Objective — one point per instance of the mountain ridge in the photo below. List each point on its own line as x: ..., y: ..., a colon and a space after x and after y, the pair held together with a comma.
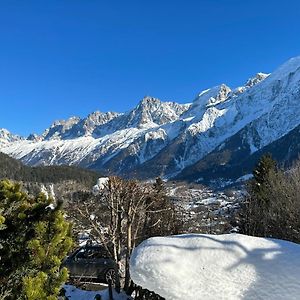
x: 159, y: 138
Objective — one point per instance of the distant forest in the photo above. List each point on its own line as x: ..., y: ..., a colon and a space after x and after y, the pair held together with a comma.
x: 13, y: 169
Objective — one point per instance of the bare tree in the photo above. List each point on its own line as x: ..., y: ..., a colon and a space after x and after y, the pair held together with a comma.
x: 123, y: 213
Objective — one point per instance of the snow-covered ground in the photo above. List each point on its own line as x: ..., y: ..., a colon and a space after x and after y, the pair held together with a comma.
x: 74, y: 293
x: 230, y: 266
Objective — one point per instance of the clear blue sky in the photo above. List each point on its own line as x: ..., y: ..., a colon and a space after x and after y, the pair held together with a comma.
x: 60, y: 58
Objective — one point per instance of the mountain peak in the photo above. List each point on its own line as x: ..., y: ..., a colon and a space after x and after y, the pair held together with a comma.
x: 256, y: 79
x: 251, y: 82
x: 66, y: 123
x: 151, y: 112
x: 289, y: 67
x: 149, y: 101
x: 213, y: 95
x: 34, y: 137
x: 7, y: 137
x: 98, y: 118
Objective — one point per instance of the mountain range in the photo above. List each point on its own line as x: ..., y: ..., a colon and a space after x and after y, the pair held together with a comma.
x: 217, y: 137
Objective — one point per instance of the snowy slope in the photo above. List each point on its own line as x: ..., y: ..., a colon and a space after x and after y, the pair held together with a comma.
x: 164, y: 138
x: 234, y: 266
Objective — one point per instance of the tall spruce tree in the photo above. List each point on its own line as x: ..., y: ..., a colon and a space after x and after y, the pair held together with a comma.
x: 259, y: 200
x: 265, y: 168
x: 34, y: 240
x: 273, y: 207
x: 265, y: 165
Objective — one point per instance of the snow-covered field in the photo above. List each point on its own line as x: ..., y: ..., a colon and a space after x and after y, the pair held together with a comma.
x: 230, y: 266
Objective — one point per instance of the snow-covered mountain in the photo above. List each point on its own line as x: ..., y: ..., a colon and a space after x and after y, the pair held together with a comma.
x: 169, y: 139
x: 6, y: 137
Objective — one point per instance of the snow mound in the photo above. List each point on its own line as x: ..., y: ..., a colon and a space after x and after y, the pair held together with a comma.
x: 230, y: 266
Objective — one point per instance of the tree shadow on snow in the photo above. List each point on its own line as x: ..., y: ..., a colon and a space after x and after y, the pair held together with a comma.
x: 276, y: 269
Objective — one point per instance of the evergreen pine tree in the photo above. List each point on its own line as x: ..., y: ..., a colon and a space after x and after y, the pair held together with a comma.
x: 160, y: 218
x: 261, y: 174
x: 259, y: 201
x: 2, y: 220
x: 34, y: 242
x: 265, y: 165
x: 159, y: 185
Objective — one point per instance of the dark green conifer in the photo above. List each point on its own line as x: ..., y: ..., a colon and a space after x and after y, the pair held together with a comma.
x: 259, y: 200
x: 265, y: 165
x: 34, y: 241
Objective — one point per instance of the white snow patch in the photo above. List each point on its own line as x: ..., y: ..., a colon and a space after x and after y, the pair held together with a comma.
x: 253, y: 148
x: 74, y: 293
x: 101, y: 183
x: 44, y: 191
x: 188, y: 119
x: 244, y: 178
x: 208, y: 201
x: 50, y: 206
x: 230, y: 266
x: 52, y: 193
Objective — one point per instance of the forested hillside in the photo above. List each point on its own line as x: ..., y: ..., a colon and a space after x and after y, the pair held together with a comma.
x: 13, y: 169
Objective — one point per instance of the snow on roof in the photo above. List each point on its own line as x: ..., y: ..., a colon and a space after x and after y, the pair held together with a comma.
x: 230, y: 266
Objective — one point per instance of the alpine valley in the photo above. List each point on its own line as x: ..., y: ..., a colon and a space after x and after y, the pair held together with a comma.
x: 216, y: 138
